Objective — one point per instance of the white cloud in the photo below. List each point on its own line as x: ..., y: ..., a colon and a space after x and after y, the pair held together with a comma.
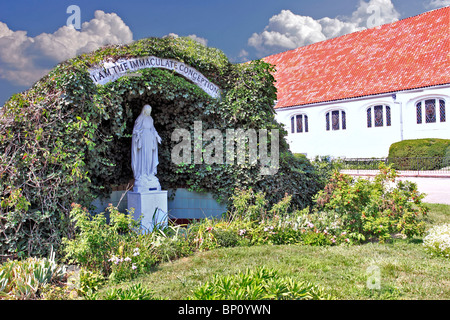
x: 200, y: 40
x: 287, y: 30
x: 23, y: 59
x: 374, y: 13
x: 243, y: 54
x: 434, y: 4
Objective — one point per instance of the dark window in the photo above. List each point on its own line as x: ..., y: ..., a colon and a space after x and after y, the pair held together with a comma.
x: 381, y: 115
x: 430, y: 111
x: 442, y: 110
x: 292, y: 125
x: 378, y: 110
x: 419, y: 112
x: 337, y: 120
x: 388, y: 116
x: 299, y: 123
x: 327, y: 120
x: 344, y: 122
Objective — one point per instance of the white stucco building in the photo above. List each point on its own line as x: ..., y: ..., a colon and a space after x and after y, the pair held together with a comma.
x: 355, y: 95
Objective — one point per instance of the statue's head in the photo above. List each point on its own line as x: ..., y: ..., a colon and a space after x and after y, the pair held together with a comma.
x: 147, y: 110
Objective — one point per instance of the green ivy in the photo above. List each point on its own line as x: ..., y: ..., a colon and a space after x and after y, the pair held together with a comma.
x: 67, y: 140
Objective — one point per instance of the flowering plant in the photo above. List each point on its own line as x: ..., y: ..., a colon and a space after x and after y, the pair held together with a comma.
x: 437, y: 240
x: 123, y: 267
x: 374, y: 209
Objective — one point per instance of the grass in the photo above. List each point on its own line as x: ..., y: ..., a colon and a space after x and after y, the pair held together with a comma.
x: 407, y: 271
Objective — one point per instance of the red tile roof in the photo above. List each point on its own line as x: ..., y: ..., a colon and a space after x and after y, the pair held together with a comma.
x: 407, y: 54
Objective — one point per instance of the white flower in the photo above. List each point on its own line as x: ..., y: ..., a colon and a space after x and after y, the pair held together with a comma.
x: 437, y: 240
x: 133, y: 266
x: 127, y: 259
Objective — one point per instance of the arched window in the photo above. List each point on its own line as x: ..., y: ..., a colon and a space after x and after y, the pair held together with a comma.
x: 430, y: 111
x: 335, y: 120
x: 299, y: 123
x: 381, y: 115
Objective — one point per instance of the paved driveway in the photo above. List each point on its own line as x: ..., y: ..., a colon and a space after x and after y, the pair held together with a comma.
x: 437, y: 189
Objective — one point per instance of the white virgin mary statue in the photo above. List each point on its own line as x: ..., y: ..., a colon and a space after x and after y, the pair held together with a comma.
x: 144, y: 152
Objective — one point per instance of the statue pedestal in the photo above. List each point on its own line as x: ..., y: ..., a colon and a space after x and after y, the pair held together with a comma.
x: 152, y: 205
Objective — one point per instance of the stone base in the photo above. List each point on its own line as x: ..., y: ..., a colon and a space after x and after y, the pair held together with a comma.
x: 146, y: 184
x: 145, y: 189
x: 152, y: 205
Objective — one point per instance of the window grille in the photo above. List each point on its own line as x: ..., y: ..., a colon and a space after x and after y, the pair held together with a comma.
x: 442, y: 110
x: 337, y: 121
x: 381, y: 115
x: 299, y: 123
x: 427, y: 111
x: 419, y: 112
x: 430, y: 111
x: 388, y: 116
x: 378, y: 110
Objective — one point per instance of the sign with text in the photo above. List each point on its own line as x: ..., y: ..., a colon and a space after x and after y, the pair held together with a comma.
x: 111, y: 71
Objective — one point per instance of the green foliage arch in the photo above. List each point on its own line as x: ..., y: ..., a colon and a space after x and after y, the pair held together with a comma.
x: 67, y: 140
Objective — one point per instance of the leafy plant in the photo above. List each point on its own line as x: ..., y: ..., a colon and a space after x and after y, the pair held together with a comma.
x: 97, y: 240
x: 260, y: 283
x: 437, y: 240
x: 134, y: 292
x: 66, y: 140
x: 22, y: 280
x: 89, y: 282
x: 226, y: 238
x: 373, y: 209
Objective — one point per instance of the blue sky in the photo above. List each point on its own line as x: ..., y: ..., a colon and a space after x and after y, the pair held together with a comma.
x: 34, y: 35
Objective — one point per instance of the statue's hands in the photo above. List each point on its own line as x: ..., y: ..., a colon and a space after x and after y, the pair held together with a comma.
x: 158, y: 138
x: 138, y: 143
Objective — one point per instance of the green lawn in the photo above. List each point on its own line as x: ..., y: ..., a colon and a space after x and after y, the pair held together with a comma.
x: 406, y: 270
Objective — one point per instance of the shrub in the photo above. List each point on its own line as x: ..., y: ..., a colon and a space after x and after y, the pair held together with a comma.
x: 96, y: 240
x: 433, y: 150
x: 437, y: 240
x: 23, y: 280
x: 88, y: 282
x: 311, y: 228
x: 226, y: 238
x: 67, y: 140
x: 117, y: 249
x: 257, y: 284
x: 373, y: 209
x: 248, y: 205
x: 419, y: 148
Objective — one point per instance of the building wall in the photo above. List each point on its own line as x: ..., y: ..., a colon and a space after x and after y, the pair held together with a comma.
x: 182, y: 204
x: 358, y: 140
